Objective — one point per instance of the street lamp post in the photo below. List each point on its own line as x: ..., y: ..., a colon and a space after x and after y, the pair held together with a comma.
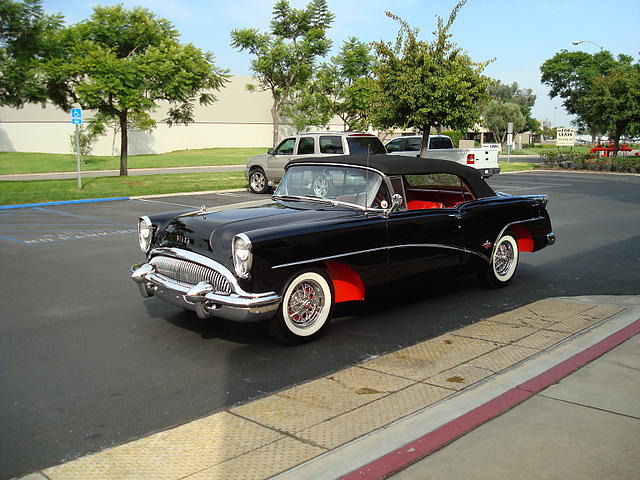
x: 578, y: 42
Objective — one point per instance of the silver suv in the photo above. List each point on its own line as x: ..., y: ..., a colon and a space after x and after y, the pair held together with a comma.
x: 265, y: 171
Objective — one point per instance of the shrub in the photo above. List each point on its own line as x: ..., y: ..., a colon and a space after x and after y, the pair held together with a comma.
x: 579, y: 161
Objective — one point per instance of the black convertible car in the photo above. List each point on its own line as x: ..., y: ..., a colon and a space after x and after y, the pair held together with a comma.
x: 338, y: 226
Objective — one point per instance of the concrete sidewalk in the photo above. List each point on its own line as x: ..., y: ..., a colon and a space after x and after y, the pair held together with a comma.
x: 372, y: 420
x: 587, y: 426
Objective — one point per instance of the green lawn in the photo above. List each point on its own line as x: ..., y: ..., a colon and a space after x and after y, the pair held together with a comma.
x: 514, y: 166
x: 12, y: 193
x: 20, y: 162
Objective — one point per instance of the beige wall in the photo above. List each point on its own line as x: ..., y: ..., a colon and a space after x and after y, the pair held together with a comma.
x: 238, y: 119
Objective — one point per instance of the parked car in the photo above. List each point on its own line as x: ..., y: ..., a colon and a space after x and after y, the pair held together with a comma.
x: 484, y: 159
x: 337, y: 227
x: 265, y: 171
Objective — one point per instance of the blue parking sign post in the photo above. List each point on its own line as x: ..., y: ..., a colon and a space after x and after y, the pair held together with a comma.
x: 76, y: 119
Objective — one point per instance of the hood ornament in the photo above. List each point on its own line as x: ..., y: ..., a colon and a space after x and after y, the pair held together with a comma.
x: 203, y: 212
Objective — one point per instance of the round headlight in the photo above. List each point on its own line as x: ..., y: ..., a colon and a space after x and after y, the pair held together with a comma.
x: 242, y: 256
x: 145, y: 233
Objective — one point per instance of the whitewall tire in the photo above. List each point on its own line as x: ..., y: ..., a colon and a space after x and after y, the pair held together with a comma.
x: 504, y: 262
x: 306, y: 308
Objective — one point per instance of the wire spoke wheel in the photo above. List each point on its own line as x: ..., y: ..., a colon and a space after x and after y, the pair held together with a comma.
x: 306, y: 307
x: 504, y: 258
x: 305, y: 304
x: 504, y: 262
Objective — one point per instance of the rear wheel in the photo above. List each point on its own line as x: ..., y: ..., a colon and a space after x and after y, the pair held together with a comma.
x: 306, y: 308
x: 504, y: 262
x: 258, y: 181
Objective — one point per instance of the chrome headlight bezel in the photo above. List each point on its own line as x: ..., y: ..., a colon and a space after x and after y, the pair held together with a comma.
x: 242, y: 253
x: 145, y: 233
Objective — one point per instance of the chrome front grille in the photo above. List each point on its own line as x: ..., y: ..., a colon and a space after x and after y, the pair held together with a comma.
x: 191, y: 273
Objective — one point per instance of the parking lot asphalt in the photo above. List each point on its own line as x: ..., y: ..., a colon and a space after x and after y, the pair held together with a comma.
x: 369, y: 420
x: 86, y: 364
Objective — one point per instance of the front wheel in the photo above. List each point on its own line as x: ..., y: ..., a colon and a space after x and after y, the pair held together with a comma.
x: 504, y: 262
x: 306, y: 308
x: 258, y: 181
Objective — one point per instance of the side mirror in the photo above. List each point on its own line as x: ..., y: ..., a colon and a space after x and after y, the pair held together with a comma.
x: 396, y: 203
x: 270, y: 151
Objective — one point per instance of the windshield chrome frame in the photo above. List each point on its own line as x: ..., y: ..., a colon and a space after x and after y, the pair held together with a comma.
x: 335, y: 203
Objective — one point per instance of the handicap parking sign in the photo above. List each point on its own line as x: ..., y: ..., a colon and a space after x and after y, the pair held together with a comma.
x: 76, y: 116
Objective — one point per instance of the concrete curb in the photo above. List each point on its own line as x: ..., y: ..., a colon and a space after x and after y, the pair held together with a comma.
x: 394, y: 447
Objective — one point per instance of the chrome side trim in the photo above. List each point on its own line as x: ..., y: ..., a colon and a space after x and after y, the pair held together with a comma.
x: 330, y: 257
x: 506, y: 227
x: 370, y: 250
x: 448, y: 247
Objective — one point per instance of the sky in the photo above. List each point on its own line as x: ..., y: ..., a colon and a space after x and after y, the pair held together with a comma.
x: 519, y: 35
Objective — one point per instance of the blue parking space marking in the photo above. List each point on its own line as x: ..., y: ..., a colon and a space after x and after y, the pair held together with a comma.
x: 12, y: 240
x: 36, y: 226
x: 61, y: 237
x: 73, y: 215
x: 62, y: 202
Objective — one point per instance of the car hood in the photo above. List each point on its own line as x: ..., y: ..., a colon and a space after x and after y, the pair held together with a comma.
x: 211, y: 232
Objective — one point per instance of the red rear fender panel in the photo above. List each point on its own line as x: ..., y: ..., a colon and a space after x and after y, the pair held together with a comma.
x: 525, y: 238
x: 347, y: 284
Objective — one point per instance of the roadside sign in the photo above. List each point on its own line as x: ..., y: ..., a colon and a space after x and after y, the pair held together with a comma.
x: 565, y: 137
x: 76, y: 116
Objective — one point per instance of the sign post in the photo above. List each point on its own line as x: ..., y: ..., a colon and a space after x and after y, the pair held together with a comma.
x: 565, y: 137
x: 76, y: 119
x: 509, y: 140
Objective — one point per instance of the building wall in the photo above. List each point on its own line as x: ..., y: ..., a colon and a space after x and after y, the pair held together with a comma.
x: 238, y: 119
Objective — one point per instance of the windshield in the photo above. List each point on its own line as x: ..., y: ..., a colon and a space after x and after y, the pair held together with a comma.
x: 350, y: 185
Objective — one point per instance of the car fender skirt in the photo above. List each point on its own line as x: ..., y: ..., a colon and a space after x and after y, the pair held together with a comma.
x: 524, y: 237
x: 347, y: 284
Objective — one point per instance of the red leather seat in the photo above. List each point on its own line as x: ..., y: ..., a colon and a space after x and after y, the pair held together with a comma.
x: 422, y: 205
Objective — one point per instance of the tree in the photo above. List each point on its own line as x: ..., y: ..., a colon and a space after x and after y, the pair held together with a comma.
x: 25, y: 33
x: 599, y: 89
x: 614, y: 99
x: 524, y: 98
x: 339, y: 88
x: 496, y: 116
x: 121, y: 63
x: 570, y: 75
x: 422, y: 85
x: 285, y: 56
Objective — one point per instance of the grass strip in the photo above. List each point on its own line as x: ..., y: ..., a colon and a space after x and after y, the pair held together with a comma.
x: 515, y: 166
x: 20, y: 162
x: 35, y: 191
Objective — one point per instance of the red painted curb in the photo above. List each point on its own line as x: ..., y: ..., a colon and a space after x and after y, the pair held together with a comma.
x: 438, y: 438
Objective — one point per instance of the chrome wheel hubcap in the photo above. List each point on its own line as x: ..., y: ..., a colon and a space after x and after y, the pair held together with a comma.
x: 257, y: 181
x: 504, y: 258
x: 305, y: 304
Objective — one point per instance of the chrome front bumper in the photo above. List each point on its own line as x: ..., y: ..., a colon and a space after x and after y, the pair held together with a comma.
x: 202, y: 298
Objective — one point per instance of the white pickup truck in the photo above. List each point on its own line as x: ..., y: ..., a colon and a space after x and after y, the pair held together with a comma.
x: 441, y: 147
